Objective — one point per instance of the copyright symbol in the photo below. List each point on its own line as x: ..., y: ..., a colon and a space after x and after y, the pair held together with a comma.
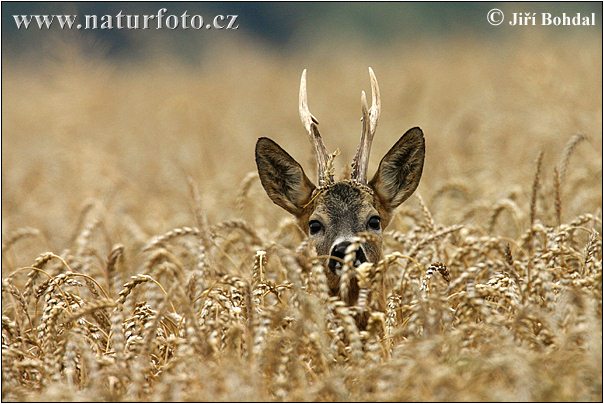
x: 495, y: 16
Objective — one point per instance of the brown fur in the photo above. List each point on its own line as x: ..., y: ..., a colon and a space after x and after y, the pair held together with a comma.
x: 345, y: 207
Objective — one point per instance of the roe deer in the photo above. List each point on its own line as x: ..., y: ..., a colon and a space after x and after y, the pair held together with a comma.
x: 332, y: 213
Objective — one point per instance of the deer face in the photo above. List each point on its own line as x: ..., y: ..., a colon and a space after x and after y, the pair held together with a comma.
x: 333, y: 213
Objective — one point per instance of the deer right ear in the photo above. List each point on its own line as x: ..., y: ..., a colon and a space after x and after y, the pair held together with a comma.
x: 400, y: 170
x: 282, y: 177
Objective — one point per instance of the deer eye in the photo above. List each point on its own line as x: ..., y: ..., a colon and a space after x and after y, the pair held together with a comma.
x: 374, y: 223
x: 314, y: 226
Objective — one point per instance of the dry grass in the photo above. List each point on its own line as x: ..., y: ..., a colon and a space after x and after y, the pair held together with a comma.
x: 171, y: 276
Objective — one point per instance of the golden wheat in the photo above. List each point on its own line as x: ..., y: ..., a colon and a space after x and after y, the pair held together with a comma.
x: 490, y: 288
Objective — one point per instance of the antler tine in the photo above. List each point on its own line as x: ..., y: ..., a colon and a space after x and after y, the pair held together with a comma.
x: 376, y: 103
x: 369, y: 120
x: 311, y: 125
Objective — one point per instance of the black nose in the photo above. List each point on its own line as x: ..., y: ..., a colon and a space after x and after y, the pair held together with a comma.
x: 339, y: 252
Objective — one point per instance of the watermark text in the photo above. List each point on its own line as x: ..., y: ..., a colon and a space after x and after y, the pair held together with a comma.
x: 160, y: 20
x: 497, y: 17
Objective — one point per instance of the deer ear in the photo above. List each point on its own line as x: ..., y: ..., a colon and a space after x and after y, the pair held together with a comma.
x: 282, y: 177
x: 400, y: 170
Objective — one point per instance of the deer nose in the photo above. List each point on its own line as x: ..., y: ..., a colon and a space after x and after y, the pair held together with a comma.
x: 338, y: 253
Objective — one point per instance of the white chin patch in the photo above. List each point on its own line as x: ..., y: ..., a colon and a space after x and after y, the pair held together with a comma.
x: 338, y: 267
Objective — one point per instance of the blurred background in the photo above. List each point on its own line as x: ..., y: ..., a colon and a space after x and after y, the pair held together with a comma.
x: 123, y: 117
x: 288, y: 27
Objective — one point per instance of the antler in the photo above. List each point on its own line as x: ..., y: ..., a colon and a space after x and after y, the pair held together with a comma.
x: 369, y: 119
x: 310, y: 124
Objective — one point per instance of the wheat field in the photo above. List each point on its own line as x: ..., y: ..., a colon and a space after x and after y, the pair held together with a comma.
x: 142, y: 260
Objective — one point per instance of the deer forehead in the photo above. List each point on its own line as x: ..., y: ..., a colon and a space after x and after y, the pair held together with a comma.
x: 345, y: 205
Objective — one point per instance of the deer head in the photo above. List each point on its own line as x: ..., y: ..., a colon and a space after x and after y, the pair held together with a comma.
x: 333, y: 212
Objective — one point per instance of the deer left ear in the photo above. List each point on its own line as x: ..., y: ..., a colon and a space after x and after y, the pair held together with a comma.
x: 401, y: 168
x: 282, y: 177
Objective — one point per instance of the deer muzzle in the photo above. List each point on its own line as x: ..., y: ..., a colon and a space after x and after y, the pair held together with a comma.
x: 338, y: 254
